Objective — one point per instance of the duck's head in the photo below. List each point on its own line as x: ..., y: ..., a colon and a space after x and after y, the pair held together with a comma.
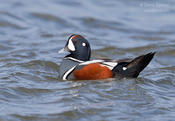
x: 78, y: 47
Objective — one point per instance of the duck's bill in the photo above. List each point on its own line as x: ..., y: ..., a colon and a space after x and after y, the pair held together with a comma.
x: 63, y: 50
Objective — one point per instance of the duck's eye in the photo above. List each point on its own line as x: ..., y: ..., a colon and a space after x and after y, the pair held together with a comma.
x: 84, y: 44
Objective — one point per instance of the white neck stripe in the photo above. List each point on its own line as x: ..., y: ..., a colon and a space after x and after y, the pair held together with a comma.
x: 68, y: 72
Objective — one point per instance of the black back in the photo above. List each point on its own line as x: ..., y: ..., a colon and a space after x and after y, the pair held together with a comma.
x: 134, y: 67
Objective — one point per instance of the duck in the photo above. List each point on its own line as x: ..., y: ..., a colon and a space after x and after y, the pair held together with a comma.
x: 77, y: 65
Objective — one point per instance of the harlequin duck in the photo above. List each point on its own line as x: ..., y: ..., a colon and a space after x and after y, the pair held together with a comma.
x: 78, y: 66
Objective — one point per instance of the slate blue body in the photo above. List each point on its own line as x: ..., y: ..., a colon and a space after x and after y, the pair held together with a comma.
x: 79, y: 57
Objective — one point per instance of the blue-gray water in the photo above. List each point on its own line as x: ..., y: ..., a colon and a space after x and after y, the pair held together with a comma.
x: 32, y: 32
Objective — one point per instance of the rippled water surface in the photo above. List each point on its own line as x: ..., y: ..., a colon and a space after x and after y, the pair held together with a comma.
x: 32, y: 32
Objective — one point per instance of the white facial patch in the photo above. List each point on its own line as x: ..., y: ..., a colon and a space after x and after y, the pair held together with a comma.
x: 71, y: 45
x: 84, y: 44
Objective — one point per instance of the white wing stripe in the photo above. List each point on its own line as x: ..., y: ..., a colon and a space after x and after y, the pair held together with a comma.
x: 112, y: 64
x: 93, y: 61
x: 74, y: 59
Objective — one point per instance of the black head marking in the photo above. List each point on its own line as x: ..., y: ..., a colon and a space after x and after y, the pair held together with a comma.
x: 79, y: 47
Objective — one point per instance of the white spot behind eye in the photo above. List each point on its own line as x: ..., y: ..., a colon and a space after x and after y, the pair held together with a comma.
x: 124, y: 68
x: 84, y: 44
x: 71, y: 45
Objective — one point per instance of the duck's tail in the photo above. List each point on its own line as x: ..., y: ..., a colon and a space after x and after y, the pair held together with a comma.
x: 134, y: 67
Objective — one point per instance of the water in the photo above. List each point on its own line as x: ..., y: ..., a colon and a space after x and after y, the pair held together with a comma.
x: 31, y: 33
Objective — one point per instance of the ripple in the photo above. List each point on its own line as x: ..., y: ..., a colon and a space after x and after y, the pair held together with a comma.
x: 51, y: 18
x: 5, y: 48
x: 38, y: 64
x: 12, y: 21
x: 8, y: 24
x: 99, y: 24
x: 48, y: 17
